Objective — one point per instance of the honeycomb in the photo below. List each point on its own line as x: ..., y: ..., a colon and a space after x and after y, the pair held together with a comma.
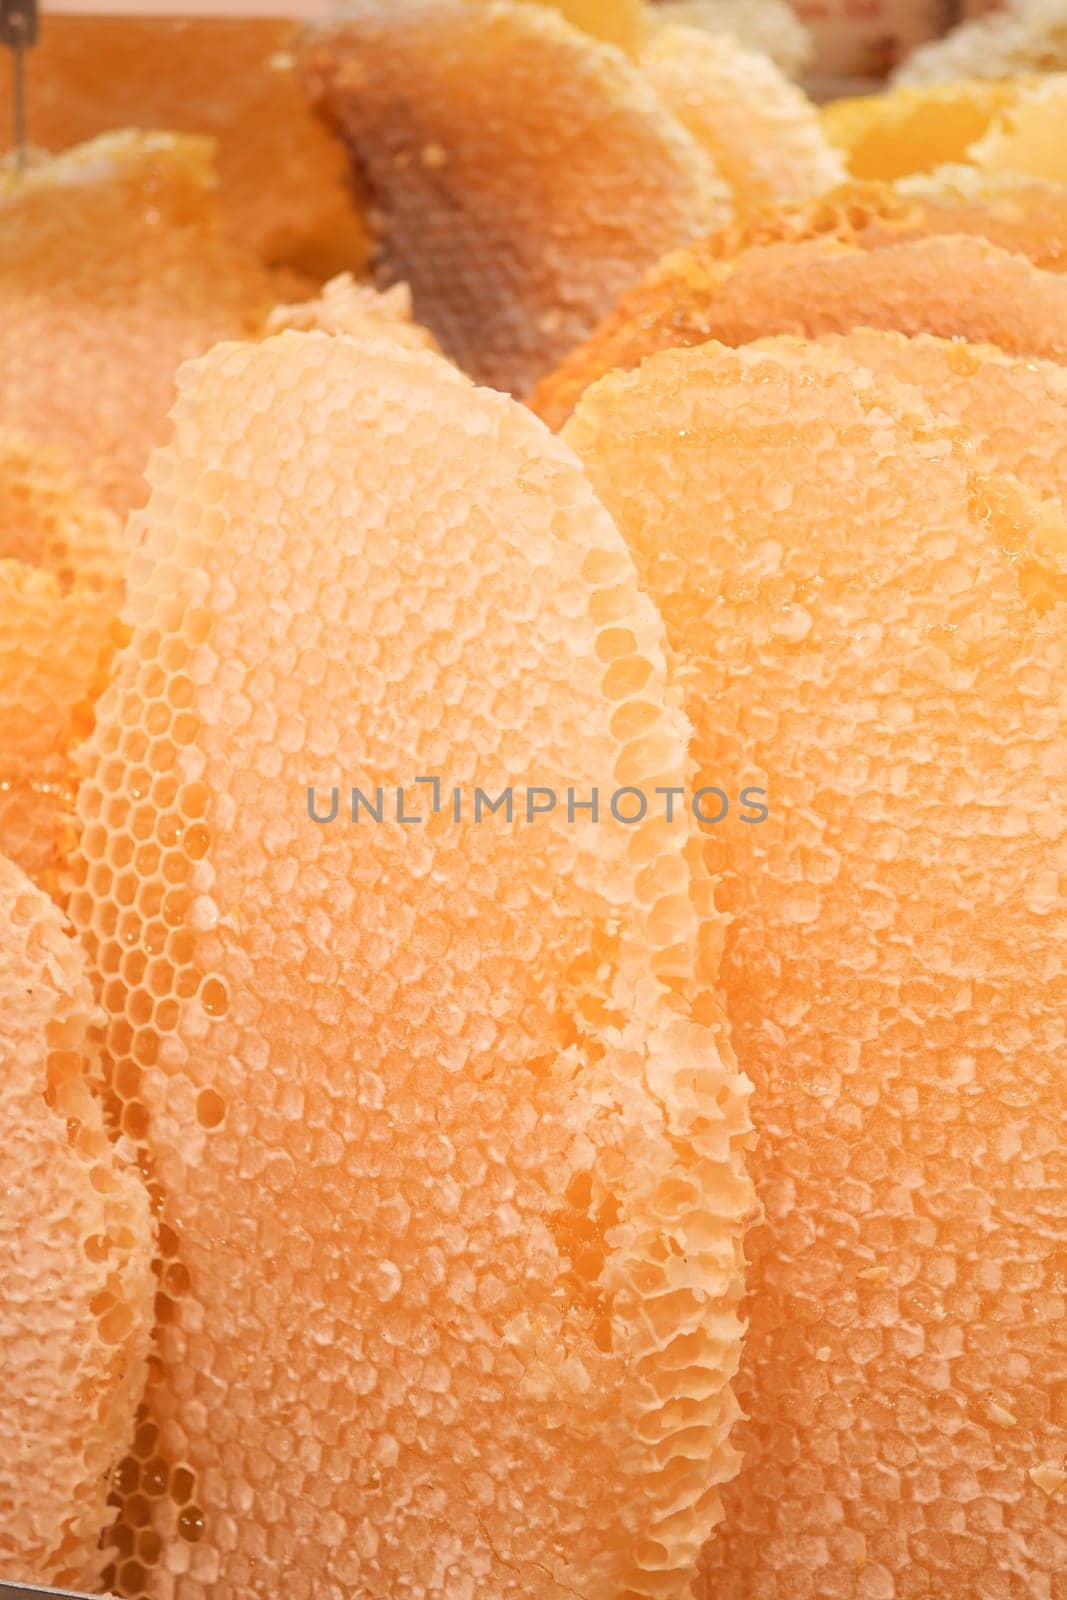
x: 866, y: 619
x: 1013, y: 411
x: 1027, y: 135
x: 62, y: 560
x: 442, y: 1120
x: 49, y: 519
x: 113, y: 270
x: 761, y: 131
x: 284, y: 189
x: 1024, y: 215
x: 956, y: 286
x: 1021, y: 36
x: 523, y: 174
x: 770, y: 26
x: 75, y: 1258
x: 904, y: 130
x: 619, y: 22
x: 345, y: 306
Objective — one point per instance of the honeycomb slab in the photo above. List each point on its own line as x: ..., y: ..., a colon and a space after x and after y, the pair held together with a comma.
x: 619, y: 22
x: 113, y: 270
x: 1024, y: 36
x: 284, y: 190
x: 1027, y: 135
x: 345, y: 306
x: 770, y: 26
x: 761, y: 131
x: 1011, y: 411
x: 914, y: 129
x: 523, y: 173
x: 954, y: 286
x: 75, y: 1259
x: 442, y: 1118
x: 881, y: 628
x: 62, y: 572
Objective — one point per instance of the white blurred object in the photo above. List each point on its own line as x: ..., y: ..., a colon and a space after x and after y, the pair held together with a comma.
x: 768, y: 25
x: 1027, y: 36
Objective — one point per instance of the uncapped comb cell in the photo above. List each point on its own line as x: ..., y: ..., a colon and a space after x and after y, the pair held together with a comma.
x: 441, y: 1114
x: 75, y: 1259
x: 522, y: 173
x: 62, y: 567
x: 50, y: 519
x: 113, y: 270
x: 956, y: 287
x: 284, y: 191
x: 761, y: 131
x: 1013, y: 411
x: 868, y: 619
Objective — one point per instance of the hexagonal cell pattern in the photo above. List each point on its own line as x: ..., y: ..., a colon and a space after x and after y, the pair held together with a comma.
x: 62, y: 567
x: 113, y: 270
x: 523, y: 173
x: 441, y: 1119
x: 881, y: 630
x: 75, y: 1258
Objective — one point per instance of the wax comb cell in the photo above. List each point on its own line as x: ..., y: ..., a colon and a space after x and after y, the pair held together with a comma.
x: 956, y: 287
x: 446, y: 1130
x: 50, y: 519
x: 873, y: 625
x: 113, y: 270
x: 523, y: 173
x: 75, y: 1259
x: 761, y: 131
x: 62, y: 567
x: 1012, y: 411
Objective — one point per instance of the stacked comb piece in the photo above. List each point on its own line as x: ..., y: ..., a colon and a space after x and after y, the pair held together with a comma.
x: 475, y: 1207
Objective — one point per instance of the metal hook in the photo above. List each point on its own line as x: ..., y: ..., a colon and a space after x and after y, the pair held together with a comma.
x: 18, y: 30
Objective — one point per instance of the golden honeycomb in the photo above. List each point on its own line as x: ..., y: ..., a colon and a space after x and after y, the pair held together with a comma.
x: 769, y: 26
x: 62, y: 565
x: 284, y: 188
x: 1011, y: 410
x: 761, y: 131
x: 619, y: 22
x: 522, y: 174
x: 442, y: 1121
x: 1027, y: 135
x: 1019, y: 213
x: 49, y: 519
x: 113, y: 270
x: 345, y: 306
x: 868, y: 618
x: 75, y: 1258
x: 906, y: 130
x: 956, y: 286
x: 1023, y: 36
